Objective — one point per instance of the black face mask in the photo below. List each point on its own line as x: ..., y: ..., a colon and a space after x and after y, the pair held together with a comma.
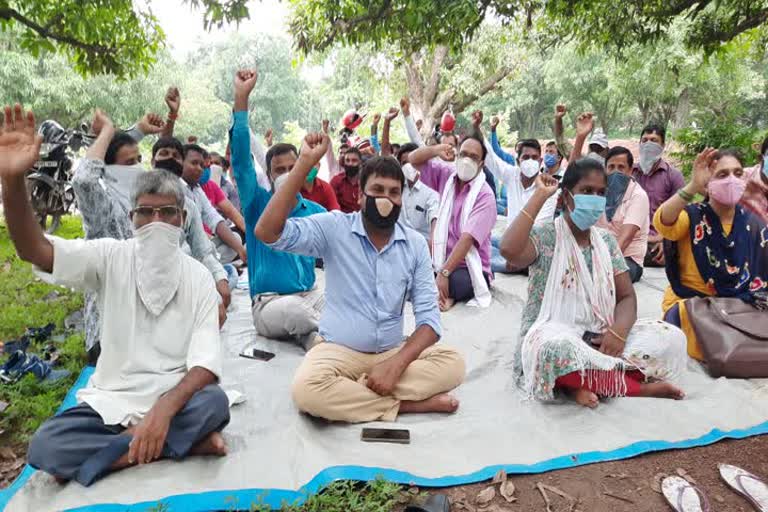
x: 170, y: 165
x: 351, y: 170
x: 372, y: 215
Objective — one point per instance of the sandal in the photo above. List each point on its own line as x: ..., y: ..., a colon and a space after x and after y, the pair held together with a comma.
x: 682, y: 496
x: 435, y: 503
x: 752, y: 488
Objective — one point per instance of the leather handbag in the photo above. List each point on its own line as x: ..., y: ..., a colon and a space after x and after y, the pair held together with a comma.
x: 732, y: 334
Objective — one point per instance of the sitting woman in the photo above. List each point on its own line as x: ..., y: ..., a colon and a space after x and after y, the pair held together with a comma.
x: 715, y: 247
x: 578, y: 331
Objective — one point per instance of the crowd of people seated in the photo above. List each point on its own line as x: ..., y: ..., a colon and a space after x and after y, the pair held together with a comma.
x: 395, y: 223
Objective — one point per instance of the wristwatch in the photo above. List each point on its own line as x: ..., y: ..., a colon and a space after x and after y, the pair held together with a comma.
x: 445, y: 272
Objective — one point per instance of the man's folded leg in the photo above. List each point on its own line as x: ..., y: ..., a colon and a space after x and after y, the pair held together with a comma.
x: 438, y: 369
x: 326, y: 386
x: 65, y: 442
x: 286, y: 316
x: 206, y: 412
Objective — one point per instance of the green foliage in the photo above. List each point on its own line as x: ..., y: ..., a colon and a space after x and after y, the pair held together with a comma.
x: 346, y: 496
x: 23, y: 304
x: 722, y: 135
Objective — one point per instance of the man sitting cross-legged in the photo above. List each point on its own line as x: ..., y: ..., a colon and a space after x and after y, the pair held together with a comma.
x: 154, y: 392
x: 365, y: 369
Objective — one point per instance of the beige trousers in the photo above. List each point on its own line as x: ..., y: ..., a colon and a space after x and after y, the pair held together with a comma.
x: 286, y: 316
x: 330, y: 383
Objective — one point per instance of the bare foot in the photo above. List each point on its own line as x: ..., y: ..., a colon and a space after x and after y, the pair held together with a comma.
x: 446, y: 304
x: 586, y: 398
x: 61, y: 481
x: 212, y: 445
x: 438, y: 403
x: 661, y: 390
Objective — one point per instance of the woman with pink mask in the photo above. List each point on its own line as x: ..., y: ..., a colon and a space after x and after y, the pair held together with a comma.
x: 716, y: 247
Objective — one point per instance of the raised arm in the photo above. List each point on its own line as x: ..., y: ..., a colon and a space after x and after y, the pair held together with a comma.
x: 173, y: 100
x: 496, y: 147
x: 375, y: 133
x: 559, y: 129
x: 584, y: 125
x: 410, y: 124
x: 516, y: 244
x: 243, y: 166
x: 702, y: 173
x: 271, y: 223
x: 386, y: 147
x: 19, y: 150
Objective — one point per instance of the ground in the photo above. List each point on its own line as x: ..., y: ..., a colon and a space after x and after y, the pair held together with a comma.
x: 25, y: 301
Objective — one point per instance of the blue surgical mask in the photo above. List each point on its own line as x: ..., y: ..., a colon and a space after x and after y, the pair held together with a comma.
x: 765, y: 164
x: 586, y: 210
x: 205, y: 176
x: 550, y: 160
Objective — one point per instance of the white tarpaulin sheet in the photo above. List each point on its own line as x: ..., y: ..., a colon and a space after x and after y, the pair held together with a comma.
x: 273, y: 447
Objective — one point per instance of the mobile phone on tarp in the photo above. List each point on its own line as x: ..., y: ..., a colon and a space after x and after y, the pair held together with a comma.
x: 259, y: 355
x: 386, y: 435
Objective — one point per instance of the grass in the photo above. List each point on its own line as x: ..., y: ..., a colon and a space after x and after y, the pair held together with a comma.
x: 23, y: 304
x: 346, y: 496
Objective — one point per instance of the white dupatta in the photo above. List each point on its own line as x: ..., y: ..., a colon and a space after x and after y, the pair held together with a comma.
x: 440, y: 242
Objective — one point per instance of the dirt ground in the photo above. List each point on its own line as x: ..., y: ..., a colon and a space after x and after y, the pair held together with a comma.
x: 628, y: 481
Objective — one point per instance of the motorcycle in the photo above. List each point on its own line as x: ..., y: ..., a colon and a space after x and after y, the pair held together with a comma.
x: 49, y: 182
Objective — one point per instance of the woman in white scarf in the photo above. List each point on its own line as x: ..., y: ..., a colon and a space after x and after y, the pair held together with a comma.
x: 579, y: 331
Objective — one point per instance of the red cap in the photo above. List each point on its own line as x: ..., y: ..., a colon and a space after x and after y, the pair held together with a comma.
x: 351, y: 119
x: 448, y: 123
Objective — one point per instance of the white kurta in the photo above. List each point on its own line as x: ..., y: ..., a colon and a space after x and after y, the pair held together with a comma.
x: 143, y: 356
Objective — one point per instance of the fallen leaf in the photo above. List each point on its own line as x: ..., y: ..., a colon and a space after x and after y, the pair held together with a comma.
x: 618, y: 476
x: 413, y: 490
x: 656, y: 482
x: 683, y: 473
x: 500, y: 477
x: 485, y: 496
x: 719, y: 498
x: 16, y: 465
x: 7, y: 454
x: 507, y: 490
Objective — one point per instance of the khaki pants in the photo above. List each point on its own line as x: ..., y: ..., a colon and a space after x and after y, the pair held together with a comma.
x: 330, y: 383
x: 286, y: 316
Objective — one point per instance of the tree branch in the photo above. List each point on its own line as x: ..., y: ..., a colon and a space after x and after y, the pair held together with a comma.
x: 342, y: 25
x: 430, y: 91
x: 11, y: 14
x: 486, y: 87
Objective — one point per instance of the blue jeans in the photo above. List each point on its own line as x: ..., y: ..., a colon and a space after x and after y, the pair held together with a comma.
x: 232, y: 277
x: 498, y: 263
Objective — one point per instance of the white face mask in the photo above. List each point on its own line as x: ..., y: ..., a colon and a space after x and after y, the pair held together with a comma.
x: 157, y: 264
x: 410, y: 172
x: 650, y: 152
x: 466, y: 169
x: 280, y: 181
x: 529, y: 168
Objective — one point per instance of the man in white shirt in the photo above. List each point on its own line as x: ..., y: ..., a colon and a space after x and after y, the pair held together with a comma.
x: 154, y: 392
x: 420, y: 203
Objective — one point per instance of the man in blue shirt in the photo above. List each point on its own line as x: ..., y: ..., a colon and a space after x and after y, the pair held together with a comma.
x: 366, y: 369
x: 286, y: 302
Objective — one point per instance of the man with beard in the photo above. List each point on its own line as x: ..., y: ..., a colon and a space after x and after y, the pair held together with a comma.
x: 364, y: 369
x: 154, y: 393
x: 346, y: 185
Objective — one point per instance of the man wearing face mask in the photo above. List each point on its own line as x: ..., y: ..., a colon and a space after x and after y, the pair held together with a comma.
x: 365, y: 369
x: 286, y: 304
x: 660, y: 180
x: 319, y: 191
x: 598, y: 146
x: 154, y: 393
x: 626, y: 210
x: 346, y: 185
x: 553, y: 160
x: 461, y: 244
x: 420, y: 203
x: 103, y: 198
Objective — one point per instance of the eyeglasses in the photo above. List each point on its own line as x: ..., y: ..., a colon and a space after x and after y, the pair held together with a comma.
x: 168, y: 212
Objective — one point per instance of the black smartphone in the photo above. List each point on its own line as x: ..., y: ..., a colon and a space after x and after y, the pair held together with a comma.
x: 259, y: 355
x: 591, y: 338
x: 386, y: 435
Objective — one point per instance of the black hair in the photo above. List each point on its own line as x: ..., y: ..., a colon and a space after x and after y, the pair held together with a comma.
x: 732, y: 152
x: 355, y: 151
x: 196, y: 149
x: 440, y: 136
x: 281, y: 148
x: 578, y: 170
x: 167, y: 142
x: 529, y: 143
x: 384, y: 166
x: 395, y: 147
x: 764, y: 147
x: 657, y: 129
x: 120, y: 140
x: 620, y: 150
x: 406, y: 148
x: 477, y: 136
x: 553, y: 143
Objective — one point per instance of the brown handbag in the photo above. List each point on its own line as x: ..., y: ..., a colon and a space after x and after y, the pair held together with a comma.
x: 732, y: 334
